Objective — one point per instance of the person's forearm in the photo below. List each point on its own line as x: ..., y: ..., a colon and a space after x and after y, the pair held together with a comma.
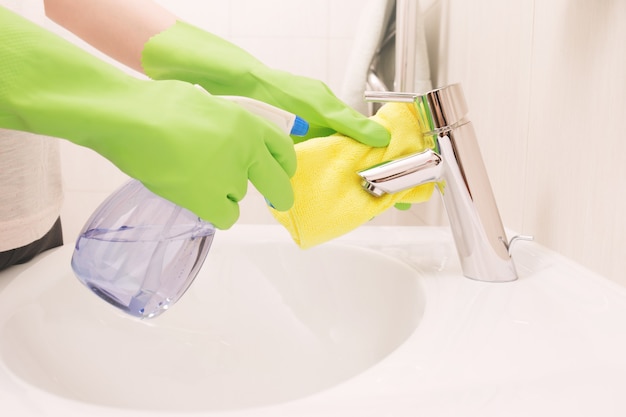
x: 119, y: 28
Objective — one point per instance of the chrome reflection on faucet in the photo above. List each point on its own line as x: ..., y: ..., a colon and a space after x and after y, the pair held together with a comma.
x: 455, y: 164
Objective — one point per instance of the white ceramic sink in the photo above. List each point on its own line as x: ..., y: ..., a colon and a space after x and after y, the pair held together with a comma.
x: 378, y: 322
x: 264, y: 323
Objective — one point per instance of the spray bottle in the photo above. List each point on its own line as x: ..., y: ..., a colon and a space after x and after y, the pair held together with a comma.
x: 141, y: 252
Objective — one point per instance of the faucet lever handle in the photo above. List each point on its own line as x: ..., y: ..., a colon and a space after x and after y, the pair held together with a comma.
x: 390, y: 96
x: 439, y: 110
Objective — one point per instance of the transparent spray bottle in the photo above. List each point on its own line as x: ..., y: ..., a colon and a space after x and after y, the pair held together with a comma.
x: 141, y: 252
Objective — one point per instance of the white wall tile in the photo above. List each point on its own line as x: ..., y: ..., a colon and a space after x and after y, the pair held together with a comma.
x: 339, y: 50
x: 343, y: 17
x: 488, y: 50
x: 576, y: 174
x: 289, y: 18
x: 211, y: 15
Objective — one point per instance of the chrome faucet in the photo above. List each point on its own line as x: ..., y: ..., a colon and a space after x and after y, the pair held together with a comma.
x: 455, y: 164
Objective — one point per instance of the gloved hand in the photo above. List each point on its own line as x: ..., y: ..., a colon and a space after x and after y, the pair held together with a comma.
x: 184, y: 52
x: 192, y: 148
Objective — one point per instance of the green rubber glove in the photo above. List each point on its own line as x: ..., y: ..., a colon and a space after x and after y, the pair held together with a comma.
x: 194, y: 149
x: 402, y: 206
x: 187, y: 53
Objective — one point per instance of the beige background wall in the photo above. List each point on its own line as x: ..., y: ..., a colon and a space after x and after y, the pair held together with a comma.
x: 546, y: 87
x: 545, y: 84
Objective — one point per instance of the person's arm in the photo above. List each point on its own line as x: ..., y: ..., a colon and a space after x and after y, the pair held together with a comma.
x: 119, y: 28
x: 197, y: 150
x: 150, y: 39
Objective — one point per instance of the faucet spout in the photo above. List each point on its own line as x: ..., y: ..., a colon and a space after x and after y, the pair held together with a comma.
x: 456, y: 165
x: 403, y: 173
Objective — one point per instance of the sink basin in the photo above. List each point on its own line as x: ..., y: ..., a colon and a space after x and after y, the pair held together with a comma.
x: 379, y: 322
x: 263, y: 323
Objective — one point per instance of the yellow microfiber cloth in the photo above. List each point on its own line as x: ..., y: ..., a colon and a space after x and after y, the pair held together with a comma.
x: 329, y: 199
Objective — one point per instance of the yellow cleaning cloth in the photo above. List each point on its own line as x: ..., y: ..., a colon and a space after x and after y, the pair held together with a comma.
x: 329, y: 199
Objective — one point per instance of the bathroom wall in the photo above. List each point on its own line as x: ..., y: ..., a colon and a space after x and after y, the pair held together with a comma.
x: 544, y: 82
x: 546, y: 88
